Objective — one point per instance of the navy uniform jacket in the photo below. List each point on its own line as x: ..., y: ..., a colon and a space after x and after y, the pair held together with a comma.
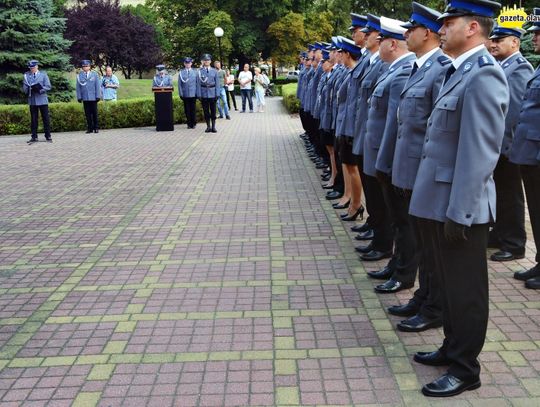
x: 207, y: 83
x: 518, y: 71
x: 462, y: 145
x: 381, y: 125
x: 187, y: 83
x: 88, y: 87
x: 352, y: 94
x: 342, y: 104
x: 526, y: 145
x: 36, y: 98
x: 162, y: 82
x: 367, y: 84
x: 417, y: 100
x: 314, y: 87
x: 305, y: 89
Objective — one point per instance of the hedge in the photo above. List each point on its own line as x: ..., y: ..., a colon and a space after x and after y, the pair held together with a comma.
x: 291, y: 102
x: 138, y: 112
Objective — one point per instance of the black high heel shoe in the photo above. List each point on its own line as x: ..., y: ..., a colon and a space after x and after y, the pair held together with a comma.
x: 350, y: 218
x: 341, y: 206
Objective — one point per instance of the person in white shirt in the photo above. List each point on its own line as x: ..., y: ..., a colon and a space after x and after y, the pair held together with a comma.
x: 245, y: 78
x: 261, y: 82
x: 229, y: 81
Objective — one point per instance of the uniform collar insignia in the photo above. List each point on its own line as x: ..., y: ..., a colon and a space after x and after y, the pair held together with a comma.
x: 428, y: 64
x: 467, y: 66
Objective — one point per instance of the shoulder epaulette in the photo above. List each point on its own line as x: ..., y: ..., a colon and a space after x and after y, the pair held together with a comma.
x: 521, y: 60
x: 484, y: 60
x: 443, y: 60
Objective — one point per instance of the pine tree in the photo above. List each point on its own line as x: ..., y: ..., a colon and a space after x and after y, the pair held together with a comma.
x: 28, y: 30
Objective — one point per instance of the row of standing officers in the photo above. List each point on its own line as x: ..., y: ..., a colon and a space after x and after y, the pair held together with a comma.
x: 438, y: 133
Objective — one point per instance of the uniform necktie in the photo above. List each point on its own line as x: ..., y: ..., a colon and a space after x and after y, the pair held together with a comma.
x: 207, y: 70
x: 414, y: 69
x: 449, y: 73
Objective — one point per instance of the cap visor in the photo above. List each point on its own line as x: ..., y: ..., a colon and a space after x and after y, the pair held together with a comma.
x: 450, y: 14
x: 534, y: 28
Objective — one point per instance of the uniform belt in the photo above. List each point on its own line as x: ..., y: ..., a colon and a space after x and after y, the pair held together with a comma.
x: 208, y: 86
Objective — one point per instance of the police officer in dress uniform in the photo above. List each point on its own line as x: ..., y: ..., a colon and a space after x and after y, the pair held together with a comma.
x: 162, y: 79
x: 379, y: 143
x: 88, y: 88
x: 454, y: 192
x: 207, y: 91
x: 508, y: 233
x: 382, y: 241
x: 187, y: 87
x: 526, y: 152
x: 300, y: 92
x: 35, y: 85
x: 417, y: 98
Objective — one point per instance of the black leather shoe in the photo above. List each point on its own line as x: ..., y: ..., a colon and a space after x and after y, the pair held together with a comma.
x: 214, y: 130
x: 320, y: 166
x: 375, y: 255
x: 367, y: 235
x: 392, y: 286
x: 48, y: 140
x: 208, y: 129
x: 96, y: 131
x: 364, y: 249
x: 383, y: 274
x: 448, y: 386
x: 351, y: 218
x: 333, y: 195
x: 418, y: 324
x: 88, y: 131
x: 533, y: 283
x: 32, y: 141
x: 527, y: 274
x: 435, y: 358
x: 341, y: 206
x: 361, y: 228
x: 502, y: 255
x: 406, y: 310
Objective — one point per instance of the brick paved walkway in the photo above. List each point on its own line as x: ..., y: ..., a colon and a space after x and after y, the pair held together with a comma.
x: 191, y: 269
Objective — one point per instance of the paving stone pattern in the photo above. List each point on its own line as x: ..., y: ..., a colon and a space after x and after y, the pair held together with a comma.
x: 191, y: 269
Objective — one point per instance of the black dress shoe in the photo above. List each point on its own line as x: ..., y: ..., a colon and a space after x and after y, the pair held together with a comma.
x: 367, y: 235
x: 208, y: 129
x: 435, y: 358
x: 448, y: 386
x: 406, y: 310
x: 383, y: 274
x: 527, y: 274
x: 364, y: 249
x: 333, y: 195
x: 392, y: 286
x: 88, y: 131
x: 361, y: 228
x: 351, y: 218
x: 375, y: 255
x: 503, y: 255
x: 214, y: 130
x: 320, y: 166
x: 418, y: 324
x: 32, y: 140
x: 341, y: 206
x: 533, y: 283
x: 48, y: 140
x: 96, y: 131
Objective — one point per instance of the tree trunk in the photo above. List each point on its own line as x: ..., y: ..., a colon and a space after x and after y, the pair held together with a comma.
x: 274, y: 73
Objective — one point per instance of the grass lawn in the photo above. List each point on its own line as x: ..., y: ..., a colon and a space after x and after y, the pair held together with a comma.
x: 132, y: 88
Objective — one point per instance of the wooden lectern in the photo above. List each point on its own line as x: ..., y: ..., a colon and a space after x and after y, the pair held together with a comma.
x: 164, y: 108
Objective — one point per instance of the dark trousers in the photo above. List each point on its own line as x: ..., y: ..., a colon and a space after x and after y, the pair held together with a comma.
x: 209, y: 110
x: 405, y: 248
x: 191, y: 111
x: 509, y: 230
x: 339, y: 182
x: 90, y: 111
x: 34, y: 119
x: 428, y: 294
x: 531, y: 182
x: 461, y: 268
x: 230, y: 95
x: 303, y: 120
x: 378, y: 215
x: 246, y: 95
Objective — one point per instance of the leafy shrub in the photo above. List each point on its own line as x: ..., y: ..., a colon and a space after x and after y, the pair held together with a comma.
x: 291, y: 102
x: 15, y: 119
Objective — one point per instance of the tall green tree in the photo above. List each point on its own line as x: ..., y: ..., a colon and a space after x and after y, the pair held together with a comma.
x: 288, y: 38
x: 29, y: 31
x: 149, y: 16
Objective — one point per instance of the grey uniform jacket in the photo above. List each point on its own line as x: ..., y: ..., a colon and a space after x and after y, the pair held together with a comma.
x: 207, y: 83
x: 518, y: 71
x: 417, y: 99
x: 312, y: 91
x: 352, y: 95
x: 381, y: 125
x: 341, y: 98
x: 305, y: 90
x: 315, y: 112
x: 462, y: 145
x: 187, y: 83
x: 326, y: 121
x: 367, y: 84
x: 299, y: 86
x: 526, y: 145
x: 88, y: 88
x: 162, y: 82
x: 36, y: 98
x: 338, y: 80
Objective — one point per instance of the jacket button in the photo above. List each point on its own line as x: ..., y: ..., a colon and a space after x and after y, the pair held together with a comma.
x: 427, y: 139
x: 468, y: 215
x: 398, y: 136
x: 424, y: 157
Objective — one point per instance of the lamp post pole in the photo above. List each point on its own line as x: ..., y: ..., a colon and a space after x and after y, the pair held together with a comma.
x: 218, y: 32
